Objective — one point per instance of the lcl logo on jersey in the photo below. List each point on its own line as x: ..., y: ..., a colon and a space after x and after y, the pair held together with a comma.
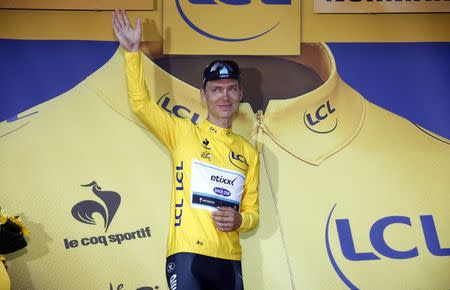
x: 193, y: 13
x: 382, y: 249
x: 320, y: 119
x: 179, y: 176
x: 238, y: 160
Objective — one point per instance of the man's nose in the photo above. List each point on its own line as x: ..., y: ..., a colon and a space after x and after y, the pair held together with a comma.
x: 226, y: 93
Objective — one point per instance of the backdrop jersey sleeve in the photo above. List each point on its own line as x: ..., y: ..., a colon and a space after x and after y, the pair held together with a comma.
x: 212, y: 167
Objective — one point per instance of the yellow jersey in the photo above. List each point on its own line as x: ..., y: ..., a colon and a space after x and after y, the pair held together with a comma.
x: 212, y: 167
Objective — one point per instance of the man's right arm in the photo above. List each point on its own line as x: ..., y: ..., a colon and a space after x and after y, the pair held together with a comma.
x: 158, y: 121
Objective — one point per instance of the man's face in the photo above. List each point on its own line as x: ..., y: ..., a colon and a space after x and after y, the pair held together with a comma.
x: 222, y: 97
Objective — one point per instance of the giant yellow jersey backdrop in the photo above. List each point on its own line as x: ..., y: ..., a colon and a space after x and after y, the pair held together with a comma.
x: 351, y: 195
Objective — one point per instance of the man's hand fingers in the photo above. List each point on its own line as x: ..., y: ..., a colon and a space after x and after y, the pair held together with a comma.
x: 222, y: 218
x: 128, y: 37
x: 116, y: 24
x: 224, y: 208
x: 220, y: 213
x: 126, y: 20
x: 226, y: 219
x: 116, y: 16
x: 138, y: 25
x: 114, y: 19
x: 224, y: 227
x: 122, y: 19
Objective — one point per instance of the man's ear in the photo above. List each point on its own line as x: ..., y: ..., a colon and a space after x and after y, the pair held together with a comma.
x: 242, y: 94
x: 203, y: 95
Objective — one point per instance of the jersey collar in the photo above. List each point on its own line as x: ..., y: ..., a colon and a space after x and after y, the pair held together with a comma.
x: 315, y: 125
x: 207, y: 126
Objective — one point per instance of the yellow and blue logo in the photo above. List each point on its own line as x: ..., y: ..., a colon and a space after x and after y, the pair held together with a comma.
x: 223, y: 26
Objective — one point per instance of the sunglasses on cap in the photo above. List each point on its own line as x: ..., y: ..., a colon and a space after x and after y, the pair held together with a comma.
x: 221, y: 69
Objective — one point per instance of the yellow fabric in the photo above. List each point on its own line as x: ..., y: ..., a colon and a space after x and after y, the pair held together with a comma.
x: 5, y: 283
x: 373, y: 165
x: 268, y: 29
x: 192, y: 229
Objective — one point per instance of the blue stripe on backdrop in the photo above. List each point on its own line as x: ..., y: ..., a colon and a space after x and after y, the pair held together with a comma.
x: 409, y: 79
x: 33, y: 72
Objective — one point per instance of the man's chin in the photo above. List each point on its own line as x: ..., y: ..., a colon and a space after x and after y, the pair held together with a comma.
x: 223, y: 115
x: 227, y: 114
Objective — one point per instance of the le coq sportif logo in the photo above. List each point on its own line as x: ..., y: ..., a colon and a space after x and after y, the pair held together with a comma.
x: 106, y: 207
x: 84, y: 210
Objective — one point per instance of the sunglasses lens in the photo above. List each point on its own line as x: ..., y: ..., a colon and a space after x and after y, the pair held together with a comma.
x: 215, y: 66
x: 221, y: 69
x: 230, y: 65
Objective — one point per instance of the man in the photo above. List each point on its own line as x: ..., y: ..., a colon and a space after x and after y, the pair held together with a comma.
x: 216, y: 172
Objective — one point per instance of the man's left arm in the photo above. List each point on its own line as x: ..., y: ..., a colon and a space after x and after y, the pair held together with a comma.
x: 250, y: 197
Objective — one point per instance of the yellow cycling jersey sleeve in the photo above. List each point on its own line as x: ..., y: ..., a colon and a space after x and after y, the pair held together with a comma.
x: 211, y: 166
x: 250, y: 205
x: 159, y: 122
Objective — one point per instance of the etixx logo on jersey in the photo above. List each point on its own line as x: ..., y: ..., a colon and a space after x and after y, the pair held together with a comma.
x: 398, y: 240
x: 89, y: 212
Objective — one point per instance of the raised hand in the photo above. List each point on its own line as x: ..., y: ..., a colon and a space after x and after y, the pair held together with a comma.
x: 128, y: 37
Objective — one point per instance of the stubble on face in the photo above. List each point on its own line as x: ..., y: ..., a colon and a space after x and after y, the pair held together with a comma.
x: 222, y: 98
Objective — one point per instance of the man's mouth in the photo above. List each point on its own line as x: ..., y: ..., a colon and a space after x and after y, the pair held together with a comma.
x: 225, y: 106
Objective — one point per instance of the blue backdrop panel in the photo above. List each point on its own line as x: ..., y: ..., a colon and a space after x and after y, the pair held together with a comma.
x: 33, y: 72
x: 409, y: 79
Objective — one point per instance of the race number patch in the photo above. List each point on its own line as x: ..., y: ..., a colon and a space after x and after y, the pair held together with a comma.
x: 213, y: 186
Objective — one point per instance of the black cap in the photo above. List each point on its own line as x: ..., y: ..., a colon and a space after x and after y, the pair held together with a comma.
x: 221, y: 69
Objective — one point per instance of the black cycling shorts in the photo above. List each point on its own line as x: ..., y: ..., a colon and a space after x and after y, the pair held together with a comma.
x: 188, y: 271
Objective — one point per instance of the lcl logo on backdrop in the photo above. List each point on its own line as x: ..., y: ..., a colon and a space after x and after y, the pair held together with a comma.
x: 231, y: 27
x: 382, y: 249
x: 242, y: 7
x: 321, y: 119
x: 179, y: 111
x: 121, y: 286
